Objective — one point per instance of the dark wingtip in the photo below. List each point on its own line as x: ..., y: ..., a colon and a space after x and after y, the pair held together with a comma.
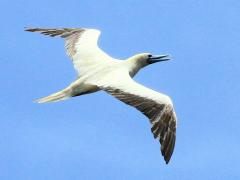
x: 167, y: 159
x: 167, y: 147
x: 29, y: 29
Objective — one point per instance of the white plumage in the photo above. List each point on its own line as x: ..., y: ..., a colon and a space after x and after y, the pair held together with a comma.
x: 98, y: 71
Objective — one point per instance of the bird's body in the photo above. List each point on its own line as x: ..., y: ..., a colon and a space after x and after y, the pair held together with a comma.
x: 98, y: 71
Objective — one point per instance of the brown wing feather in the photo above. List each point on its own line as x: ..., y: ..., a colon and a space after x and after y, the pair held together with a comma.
x: 161, y: 116
x: 71, y: 35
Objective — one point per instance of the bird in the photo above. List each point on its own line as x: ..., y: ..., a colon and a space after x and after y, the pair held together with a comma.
x: 97, y: 71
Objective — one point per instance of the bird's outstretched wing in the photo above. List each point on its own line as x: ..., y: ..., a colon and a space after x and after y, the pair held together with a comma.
x: 156, y: 106
x: 81, y: 45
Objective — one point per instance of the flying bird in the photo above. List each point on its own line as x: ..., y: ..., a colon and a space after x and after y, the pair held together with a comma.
x: 98, y: 71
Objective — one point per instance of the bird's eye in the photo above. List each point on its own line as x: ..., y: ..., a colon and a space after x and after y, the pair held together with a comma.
x: 149, y: 55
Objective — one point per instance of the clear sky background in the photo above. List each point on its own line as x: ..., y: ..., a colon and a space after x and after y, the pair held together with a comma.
x: 96, y: 136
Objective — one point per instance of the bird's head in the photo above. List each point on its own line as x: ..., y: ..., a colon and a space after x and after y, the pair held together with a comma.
x: 138, y: 61
x: 145, y: 59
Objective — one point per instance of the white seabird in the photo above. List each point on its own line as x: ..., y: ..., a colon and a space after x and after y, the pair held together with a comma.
x: 98, y: 71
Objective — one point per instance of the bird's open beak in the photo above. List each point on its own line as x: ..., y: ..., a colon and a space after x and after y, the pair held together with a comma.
x: 158, y: 58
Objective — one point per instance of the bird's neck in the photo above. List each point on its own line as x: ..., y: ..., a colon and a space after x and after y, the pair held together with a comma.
x: 133, y: 65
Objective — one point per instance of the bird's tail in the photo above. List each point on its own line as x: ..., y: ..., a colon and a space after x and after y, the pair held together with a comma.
x: 58, y: 96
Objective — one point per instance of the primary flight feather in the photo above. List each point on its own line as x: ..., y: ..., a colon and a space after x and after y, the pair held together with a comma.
x: 98, y: 71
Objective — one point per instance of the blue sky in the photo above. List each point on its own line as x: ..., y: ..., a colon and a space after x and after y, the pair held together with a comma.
x: 96, y: 136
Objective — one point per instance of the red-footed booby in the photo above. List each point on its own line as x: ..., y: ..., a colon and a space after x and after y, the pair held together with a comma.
x: 98, y: 71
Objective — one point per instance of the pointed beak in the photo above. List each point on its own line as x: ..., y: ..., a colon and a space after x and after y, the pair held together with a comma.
x: 158, y: 58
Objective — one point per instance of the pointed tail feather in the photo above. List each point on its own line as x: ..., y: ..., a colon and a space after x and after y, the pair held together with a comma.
x: 61, y: 95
